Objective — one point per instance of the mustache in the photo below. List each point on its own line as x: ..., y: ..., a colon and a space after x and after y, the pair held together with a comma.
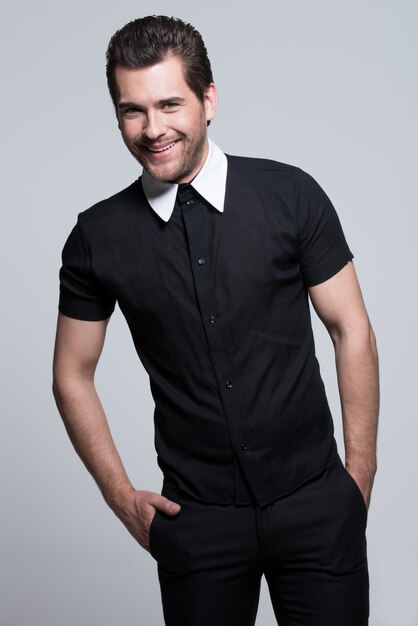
x: 138, y: 143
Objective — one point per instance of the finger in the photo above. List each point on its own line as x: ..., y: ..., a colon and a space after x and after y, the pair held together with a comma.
x: 164, y: 504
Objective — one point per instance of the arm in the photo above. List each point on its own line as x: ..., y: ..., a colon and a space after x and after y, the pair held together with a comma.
x: 339, y: 304
x: 78, y: 348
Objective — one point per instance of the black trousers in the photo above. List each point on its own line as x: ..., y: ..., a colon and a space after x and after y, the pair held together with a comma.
x: 310, y: 546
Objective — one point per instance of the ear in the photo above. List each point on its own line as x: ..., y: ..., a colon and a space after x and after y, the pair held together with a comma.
x: 210, y: 101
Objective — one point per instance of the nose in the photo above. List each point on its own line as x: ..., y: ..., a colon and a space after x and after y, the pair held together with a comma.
x: 154, y: 126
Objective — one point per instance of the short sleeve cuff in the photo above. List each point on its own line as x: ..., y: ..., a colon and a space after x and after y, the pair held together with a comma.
x: 87, y: 313
x: 334, y: 263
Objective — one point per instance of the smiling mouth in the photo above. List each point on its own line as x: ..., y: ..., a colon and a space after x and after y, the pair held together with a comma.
x: 164, y: 149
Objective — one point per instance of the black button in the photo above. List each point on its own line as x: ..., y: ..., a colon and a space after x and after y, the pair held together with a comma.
x: 244, y: 446
x: 212, y: 319
x: 201, y: 261
x: 228, y: 384
x: 189, y: 202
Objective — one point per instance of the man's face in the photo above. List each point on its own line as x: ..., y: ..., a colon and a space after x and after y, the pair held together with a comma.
x: 162, y: 121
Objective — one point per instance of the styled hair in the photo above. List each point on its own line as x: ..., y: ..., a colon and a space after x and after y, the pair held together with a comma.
x: 152, y: 39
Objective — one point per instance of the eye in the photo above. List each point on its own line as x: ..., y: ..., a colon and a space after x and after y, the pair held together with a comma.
x: 170, y: 106
x: 132, y: 111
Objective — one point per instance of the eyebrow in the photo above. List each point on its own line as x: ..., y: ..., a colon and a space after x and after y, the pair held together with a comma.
x: 173, y: 98
x: 129, y: 105
x: 126, y: 105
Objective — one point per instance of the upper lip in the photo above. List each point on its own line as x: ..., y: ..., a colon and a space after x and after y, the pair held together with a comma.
x: 158, y: 146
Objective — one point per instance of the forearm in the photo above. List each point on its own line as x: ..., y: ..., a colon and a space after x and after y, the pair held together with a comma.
x: 357, y: 371
x: 88, y: 429
x: 78, y: 347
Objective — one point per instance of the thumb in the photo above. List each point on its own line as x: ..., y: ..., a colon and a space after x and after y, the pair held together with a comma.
x: 174, y: 508
x: 168, y: 506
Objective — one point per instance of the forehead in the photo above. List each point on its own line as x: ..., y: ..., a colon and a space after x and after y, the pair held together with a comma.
x: 153, y: 83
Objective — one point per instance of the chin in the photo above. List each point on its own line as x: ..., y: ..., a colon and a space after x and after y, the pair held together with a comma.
x: 166, y: 175
x: 163, y: 176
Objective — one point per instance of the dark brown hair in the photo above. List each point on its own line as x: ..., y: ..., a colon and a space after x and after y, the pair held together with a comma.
x: 152, y: 39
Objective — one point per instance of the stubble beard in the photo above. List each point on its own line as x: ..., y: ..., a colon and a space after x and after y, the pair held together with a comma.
x: 187, y: 163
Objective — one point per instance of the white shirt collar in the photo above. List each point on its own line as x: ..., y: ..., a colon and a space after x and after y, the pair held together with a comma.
x: 209, y: 183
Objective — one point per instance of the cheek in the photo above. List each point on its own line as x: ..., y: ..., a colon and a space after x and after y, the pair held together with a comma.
x: 130, y: 130
x: 189, y: 122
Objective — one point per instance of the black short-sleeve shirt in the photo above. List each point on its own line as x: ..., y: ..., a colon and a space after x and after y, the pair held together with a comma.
x: 217, y: 305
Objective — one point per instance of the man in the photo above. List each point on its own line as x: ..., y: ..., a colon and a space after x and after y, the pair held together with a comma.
x: 211, y: 259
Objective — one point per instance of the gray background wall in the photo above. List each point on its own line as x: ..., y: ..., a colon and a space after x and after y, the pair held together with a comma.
x: 329, y: 86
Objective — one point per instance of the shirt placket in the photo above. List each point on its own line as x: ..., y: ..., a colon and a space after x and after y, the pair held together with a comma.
x: 195, y: 218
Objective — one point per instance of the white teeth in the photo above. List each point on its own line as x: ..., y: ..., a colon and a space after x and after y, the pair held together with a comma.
x: 161, y: 149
